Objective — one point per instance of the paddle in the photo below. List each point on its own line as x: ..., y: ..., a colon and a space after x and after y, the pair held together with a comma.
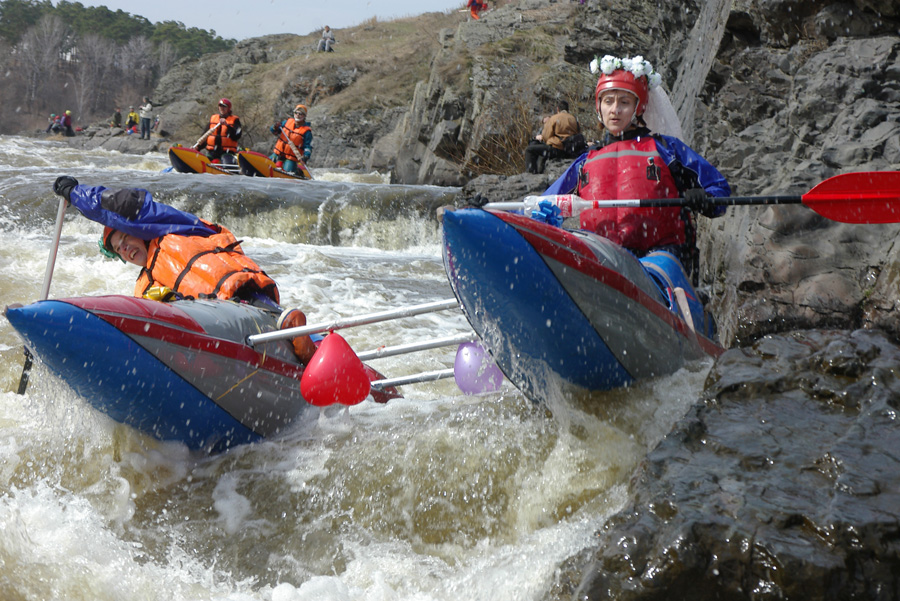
x: 864, y: 197
x: 208, y: 133
x: 45, y: 289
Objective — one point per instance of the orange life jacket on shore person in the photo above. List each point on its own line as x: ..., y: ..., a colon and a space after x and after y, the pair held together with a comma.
x: 631, y: 169
x: 296, y: 132
x: 203, y: 267
x: 221, y: 136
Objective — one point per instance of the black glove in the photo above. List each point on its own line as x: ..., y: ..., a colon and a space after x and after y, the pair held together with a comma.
x: 63, y: 185
x: 696, y: 199
x: 478, y: 201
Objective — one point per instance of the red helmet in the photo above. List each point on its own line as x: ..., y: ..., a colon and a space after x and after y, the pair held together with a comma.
x: 620, y: 79
x: 226, y: 103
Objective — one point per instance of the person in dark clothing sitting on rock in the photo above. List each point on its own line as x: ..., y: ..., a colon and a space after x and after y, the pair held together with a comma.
x: 560, y: 138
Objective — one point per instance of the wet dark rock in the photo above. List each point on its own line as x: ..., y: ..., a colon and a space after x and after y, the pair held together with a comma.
x: 783, y: 484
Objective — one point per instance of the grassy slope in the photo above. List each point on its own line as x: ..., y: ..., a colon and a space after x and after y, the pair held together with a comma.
x: 386, y: 60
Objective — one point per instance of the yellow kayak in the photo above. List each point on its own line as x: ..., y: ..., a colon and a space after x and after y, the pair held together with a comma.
x: 188, y: 160
x: 259, y: 165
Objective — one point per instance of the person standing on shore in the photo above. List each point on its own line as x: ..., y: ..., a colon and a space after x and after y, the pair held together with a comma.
x: 146, y: 118
x: 66, y: 123
x: 475, y: 7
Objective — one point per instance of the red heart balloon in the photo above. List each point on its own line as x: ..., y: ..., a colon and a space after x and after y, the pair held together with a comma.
x: 334, y: 375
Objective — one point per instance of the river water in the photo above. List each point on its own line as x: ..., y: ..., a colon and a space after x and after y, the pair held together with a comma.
x: 436, y: 496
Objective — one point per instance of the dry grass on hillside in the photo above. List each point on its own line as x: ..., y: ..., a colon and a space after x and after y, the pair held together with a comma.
x: 386, y: 59
x: 389, y: 58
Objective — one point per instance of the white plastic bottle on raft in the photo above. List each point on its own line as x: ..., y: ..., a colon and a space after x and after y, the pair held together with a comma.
x: 569, y: 205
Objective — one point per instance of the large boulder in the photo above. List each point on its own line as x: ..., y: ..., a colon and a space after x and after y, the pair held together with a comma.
x: 783, y: 484
x: 800, y: 115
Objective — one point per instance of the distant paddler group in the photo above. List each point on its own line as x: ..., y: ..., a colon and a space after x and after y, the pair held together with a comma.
x: 217, y: 150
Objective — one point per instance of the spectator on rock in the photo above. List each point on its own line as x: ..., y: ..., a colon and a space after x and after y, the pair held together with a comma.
x: 560, y: 138
x: 66, y: 123
x: 327, y: 41
x: 131, y: 121
x: 475, y: 7
x: 53, y: 123
x: 146, y: 118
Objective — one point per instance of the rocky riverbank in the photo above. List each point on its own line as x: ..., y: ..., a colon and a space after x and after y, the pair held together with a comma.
x: 783, y: 484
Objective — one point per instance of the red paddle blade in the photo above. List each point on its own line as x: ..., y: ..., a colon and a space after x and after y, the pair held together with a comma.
x: 865, y: 197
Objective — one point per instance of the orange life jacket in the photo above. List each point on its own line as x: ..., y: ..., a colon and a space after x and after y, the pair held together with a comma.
x: 221, y: 136
x: 296, y: 132
x: 631, y: 169
x: 203, y: 267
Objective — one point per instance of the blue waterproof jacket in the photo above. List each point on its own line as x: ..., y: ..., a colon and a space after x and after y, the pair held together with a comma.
x: 134, y: 212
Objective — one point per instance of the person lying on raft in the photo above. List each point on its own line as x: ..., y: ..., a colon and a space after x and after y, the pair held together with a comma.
x: 633, y: 162
x: 179, y: 251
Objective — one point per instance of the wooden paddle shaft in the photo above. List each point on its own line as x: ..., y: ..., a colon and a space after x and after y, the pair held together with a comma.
x: 206, y: 135
x: 293, y: 146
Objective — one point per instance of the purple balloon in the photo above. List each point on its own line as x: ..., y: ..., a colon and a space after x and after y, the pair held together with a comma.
x: 475, y: 371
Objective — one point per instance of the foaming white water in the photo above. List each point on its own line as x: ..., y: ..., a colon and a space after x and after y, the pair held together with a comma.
x: 335, y: 175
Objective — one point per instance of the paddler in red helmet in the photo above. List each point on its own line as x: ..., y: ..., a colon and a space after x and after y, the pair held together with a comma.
x: 633, y: 162
x: 224, y: 131
x: 180, y: 255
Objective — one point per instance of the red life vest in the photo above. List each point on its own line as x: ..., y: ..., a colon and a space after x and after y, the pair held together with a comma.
x: 296, y: 132
x: 224, y: 126
x: 631, y: 169
x: 202, y: 267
